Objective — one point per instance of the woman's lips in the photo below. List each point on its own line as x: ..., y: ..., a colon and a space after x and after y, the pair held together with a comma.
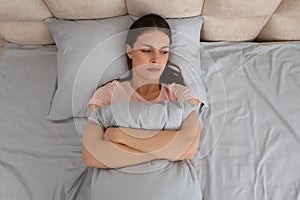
x: 153, y: 69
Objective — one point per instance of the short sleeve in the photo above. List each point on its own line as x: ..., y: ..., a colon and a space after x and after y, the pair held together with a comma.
x: 102, y: 96
x: 93, y: 117
x: 183, y: 93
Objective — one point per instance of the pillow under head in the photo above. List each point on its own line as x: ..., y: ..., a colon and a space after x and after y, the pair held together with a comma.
x: 92, y: 53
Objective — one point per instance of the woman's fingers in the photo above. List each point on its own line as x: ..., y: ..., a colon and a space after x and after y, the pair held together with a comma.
x: 110, y: 133
x: 115, y: 134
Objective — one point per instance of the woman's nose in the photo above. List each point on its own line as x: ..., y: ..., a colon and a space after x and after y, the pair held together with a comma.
x: 154, y: 58
x: 154, y: 61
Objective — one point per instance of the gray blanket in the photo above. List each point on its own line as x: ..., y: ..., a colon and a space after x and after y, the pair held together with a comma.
x: 159, y: 179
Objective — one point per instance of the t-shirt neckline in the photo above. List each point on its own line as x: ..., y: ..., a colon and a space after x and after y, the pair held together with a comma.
x: 133, y: 92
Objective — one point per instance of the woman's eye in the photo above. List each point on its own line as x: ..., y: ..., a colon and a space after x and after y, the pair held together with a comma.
x: 164, y: 52
x: 146, y: 50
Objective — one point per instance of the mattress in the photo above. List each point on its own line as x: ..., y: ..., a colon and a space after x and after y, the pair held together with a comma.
x: 250, y: 139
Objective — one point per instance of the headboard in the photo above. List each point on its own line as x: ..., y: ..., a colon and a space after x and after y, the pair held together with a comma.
x: 21, y: 21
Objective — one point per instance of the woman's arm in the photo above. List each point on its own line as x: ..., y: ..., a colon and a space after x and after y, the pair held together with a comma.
x: 173, y: 145
x: 191, y: 151
x: 97, y: 152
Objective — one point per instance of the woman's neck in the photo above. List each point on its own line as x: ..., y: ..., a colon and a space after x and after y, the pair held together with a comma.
x: 149, y: 90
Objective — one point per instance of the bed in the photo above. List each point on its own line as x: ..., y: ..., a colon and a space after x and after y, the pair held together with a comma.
x: 249, y: 75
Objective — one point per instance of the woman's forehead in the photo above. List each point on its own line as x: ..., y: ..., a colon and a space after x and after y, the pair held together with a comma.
x: 155, y: 39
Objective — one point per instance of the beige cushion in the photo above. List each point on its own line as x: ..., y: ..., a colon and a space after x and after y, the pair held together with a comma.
x: 289, y: 7
x: 1, y: 45
x: 87, y: 9
x: 284, y: 24
x: 1, y: 41
x: 224, y: 20
x: 23, y: 10
x: 281, y: 28
x: 232, y: 20
x: 236, y: 8
x: 165, y: 8
x: 1, y: 52
x: 26, y: 32
x: 231, y: 29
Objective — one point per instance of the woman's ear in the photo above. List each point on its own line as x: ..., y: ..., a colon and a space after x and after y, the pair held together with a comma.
x: 129, y: 51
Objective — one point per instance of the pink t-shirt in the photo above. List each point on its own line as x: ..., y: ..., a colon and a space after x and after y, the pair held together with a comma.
x: 116, y: 92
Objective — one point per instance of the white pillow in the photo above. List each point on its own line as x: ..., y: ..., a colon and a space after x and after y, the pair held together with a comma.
x: 92, y: 53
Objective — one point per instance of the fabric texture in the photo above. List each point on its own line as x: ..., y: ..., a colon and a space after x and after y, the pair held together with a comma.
x: 103, y: 43
x: 39, y: 159
x: 26, y: 32
x: 236, y: 21
x: 15, y: 10
x: 254, y: 92
x: 166, y: 8
x: 1, y: 46
x: 92, y: 53
x: 254, y: 107
x: 283, y: 24
x: 224, y: 20
x: 88, y: 9
x: 162, y: 115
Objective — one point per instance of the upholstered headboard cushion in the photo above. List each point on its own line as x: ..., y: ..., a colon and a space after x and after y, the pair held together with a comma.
x: 21, y: 22
x: 26, y: 32
x: 1, y: 45
x: 247, y: 20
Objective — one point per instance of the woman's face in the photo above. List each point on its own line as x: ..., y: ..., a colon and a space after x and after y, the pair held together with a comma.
x: 149, y: 54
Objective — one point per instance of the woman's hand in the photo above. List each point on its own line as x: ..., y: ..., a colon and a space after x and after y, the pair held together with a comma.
x: 115, y: 134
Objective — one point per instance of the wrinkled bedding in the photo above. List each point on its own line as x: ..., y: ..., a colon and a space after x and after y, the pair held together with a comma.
x: 253, y: 121
x: 38, y: 159
x: 250, y: 139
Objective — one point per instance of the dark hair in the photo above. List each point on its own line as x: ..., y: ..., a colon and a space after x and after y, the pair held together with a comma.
x: 156, y: 22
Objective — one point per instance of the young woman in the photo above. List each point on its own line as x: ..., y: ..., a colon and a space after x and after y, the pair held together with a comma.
x: 152, y: 79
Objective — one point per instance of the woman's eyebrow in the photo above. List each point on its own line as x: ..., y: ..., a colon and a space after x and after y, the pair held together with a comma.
x: 147, y: 45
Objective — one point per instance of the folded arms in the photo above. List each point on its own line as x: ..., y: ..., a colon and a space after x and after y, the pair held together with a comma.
x: 120, y: 147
